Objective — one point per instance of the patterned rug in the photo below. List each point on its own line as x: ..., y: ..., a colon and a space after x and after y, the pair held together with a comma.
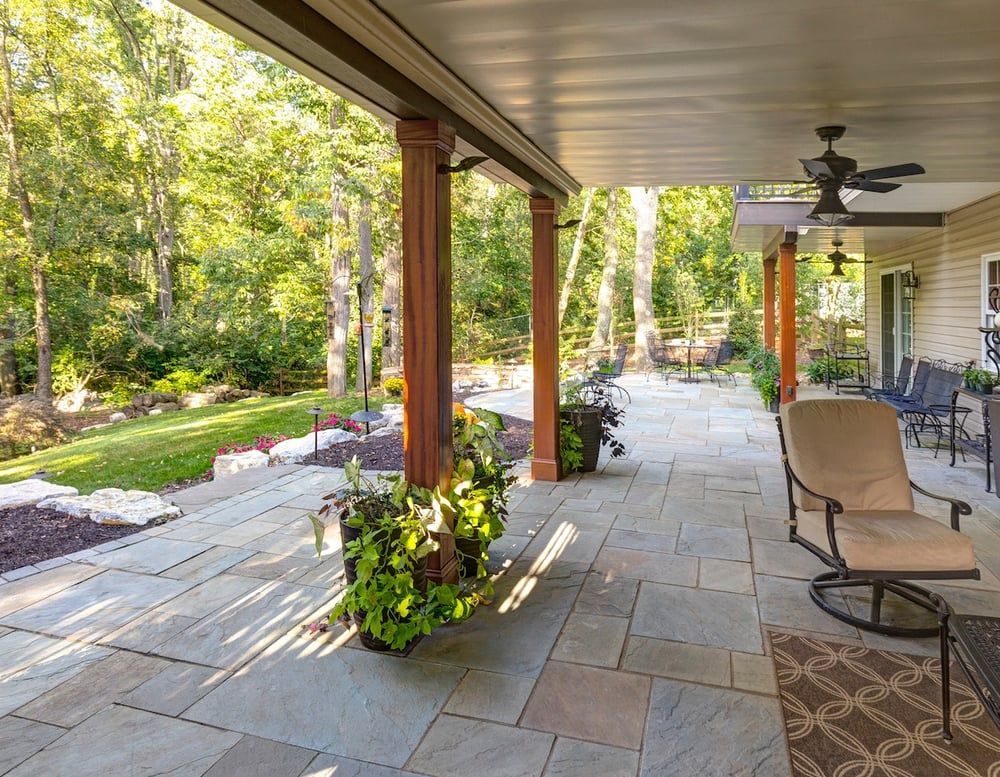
x: 854, y: 712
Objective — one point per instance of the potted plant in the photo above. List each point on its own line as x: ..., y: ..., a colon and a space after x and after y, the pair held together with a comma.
x: 605, y: 365
x: 979, y: 380
x: 480, y: 487
x: 387, y: 528
x: 765, y: 376
x: 588, y: 408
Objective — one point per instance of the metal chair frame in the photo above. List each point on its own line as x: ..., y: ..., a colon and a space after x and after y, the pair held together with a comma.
x: 841, y: 576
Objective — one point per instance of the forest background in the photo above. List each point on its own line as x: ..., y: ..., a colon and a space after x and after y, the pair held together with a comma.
x: 182, y: 209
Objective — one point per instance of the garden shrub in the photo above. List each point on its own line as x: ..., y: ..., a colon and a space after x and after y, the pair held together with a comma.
x: 743, y: 330
x: 334, y: 421
x: 393, y: 386
x: 28, y: 425
x: 817, y: 371
x: 181, y: 381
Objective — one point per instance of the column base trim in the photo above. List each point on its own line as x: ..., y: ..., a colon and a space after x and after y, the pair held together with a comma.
x: 546, y: 469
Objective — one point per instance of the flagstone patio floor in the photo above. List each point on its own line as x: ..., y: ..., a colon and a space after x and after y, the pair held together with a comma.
x: 627, y: 636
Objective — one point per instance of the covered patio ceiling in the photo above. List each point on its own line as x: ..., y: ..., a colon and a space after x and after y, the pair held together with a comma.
x: 642, y: 92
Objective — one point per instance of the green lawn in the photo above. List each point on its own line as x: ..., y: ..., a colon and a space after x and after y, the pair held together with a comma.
x: 151, y: 452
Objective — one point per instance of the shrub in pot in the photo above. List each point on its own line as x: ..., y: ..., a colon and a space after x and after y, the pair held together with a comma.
x: 588, y: 409
x: 765, y: 376
x: 387, y: 529
x: 480, y: 486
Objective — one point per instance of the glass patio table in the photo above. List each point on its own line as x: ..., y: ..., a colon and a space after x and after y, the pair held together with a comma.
x: 691, y: 346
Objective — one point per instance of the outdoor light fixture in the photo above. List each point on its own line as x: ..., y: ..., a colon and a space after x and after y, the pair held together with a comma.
x: 315, y: 411
x: 830, y: 211
x: 909, y: 283
x: 386, y: 327
x: 365, y: 416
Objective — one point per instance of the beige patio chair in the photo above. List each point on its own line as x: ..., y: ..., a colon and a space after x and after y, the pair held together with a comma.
x: 851, y: 504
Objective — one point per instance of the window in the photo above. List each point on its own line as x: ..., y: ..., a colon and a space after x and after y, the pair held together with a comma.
x: 990, y: 295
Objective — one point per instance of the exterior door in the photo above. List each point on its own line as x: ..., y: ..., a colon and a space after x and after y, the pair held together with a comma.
x: 897, y: 322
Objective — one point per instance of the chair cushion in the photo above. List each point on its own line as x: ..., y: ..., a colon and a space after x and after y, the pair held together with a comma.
x: 890, y: 541
x: 847, y: 449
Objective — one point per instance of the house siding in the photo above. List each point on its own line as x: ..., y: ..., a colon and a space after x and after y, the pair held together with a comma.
x: 948, y: 308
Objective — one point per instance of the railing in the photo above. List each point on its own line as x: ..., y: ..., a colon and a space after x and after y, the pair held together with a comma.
x: 761, y: 192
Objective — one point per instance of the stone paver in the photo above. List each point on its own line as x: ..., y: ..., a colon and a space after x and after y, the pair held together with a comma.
x: 175, y: 688
x: 584, y: 702
x: 124, y: 741
x: 713, y: 542
x: 591, y: 639
x: 255, y: 757
x: 713, y: 732
x: 152, y: 556
x: 490, y: 696
x: 20, y: 739
x: 575, y: 758
x: 453, y: 745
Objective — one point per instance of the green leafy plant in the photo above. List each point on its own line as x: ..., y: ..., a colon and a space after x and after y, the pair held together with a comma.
x: 606, y: 365
x: 765, y: 374
x: 181, y: 381
x: 390, y: 599
x: 570, y: 446
x: 482, y: 480
x: 393, y: 386
x: 592, y: 394
x: 817, y: 371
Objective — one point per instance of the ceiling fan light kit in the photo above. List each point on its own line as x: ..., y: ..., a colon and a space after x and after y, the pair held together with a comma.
x: 830, y: 172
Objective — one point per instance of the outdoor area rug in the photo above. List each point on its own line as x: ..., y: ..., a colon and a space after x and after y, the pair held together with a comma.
x: 855, y: 712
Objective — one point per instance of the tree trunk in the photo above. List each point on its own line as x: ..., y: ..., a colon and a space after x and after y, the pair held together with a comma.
x: 366, y: 265
x: 9, y: 383
x: 574, y: 257
x: 606, y: 295
x: 392, y: 295
x: 645, y: 201
x: 164, y: 255
x: 339, y: 244
x: 19, y: 190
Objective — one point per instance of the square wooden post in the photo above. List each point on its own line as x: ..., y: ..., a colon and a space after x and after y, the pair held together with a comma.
x: 788, y: 339
x: 545, y: 464
x: 427, y: 412
x: 769, y: 300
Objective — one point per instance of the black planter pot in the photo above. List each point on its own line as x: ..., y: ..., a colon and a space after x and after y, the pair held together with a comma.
x: 349, y: 534
x: 587, y: 422
x: 470, y: 549
x: 775, y: 405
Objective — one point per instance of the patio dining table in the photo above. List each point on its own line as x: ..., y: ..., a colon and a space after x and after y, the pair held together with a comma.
x: 690, y: 345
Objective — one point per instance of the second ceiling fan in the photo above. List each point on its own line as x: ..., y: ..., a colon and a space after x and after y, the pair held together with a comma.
x: 838, y: 258
x: 830, y: 172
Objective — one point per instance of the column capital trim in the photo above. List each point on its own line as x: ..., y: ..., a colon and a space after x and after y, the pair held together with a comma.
x: 423, y: 133
x: 543, y: 206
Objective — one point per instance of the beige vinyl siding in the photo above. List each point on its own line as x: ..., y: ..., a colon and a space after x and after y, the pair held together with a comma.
x: 947, y: 310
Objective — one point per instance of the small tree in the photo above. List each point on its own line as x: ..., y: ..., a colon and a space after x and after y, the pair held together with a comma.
x: 689, y: 301
x: 744, y: 326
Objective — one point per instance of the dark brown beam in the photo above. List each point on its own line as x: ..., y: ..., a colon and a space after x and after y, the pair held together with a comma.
x: 793, y: 214
x: 308, y: 36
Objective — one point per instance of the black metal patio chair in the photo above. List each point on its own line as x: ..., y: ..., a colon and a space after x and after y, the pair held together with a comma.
x: 893, y: 385
x: 664, y: 360
x: 714, y: 359
x: 610, y: 378
x: 850, y: 504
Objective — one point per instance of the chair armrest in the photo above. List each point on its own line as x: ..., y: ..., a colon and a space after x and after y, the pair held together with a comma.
x: 958, y: 507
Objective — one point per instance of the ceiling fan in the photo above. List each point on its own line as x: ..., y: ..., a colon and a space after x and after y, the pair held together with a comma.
x: 839, y: 259
x: 830, y: 172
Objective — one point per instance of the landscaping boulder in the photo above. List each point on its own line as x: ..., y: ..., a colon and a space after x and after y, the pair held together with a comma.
x: 382, y: 431
x: 198, y: 399
x: 231, y: 463
x: 30, y: 492
x: 152, y: 399
x: 117, y: 418
x: 165, y: 407
x: 114, y: 506
x: 294, y: 450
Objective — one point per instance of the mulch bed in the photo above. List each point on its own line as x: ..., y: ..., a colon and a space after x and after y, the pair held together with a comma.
x: 29, y: 535
x: 386, y: 452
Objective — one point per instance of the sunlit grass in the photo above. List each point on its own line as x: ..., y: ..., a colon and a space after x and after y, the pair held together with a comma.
x: 151, y: 452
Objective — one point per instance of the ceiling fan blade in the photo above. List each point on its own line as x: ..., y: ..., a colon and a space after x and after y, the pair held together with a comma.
x: 872, y: 186
x: 774, y: 180
x: 816, y: 168
x: 894, y: 171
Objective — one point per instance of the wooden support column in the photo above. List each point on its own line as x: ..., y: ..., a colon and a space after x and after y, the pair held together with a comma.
x: 545, y: 464
x: 427, y: 411
x: 769, y: 301
x: 787, y: 321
